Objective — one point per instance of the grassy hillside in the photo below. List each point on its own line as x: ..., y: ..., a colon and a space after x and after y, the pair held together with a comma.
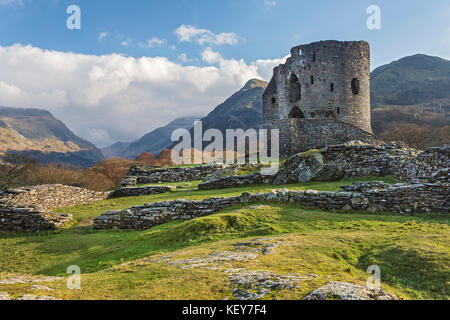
x: 413, y: 252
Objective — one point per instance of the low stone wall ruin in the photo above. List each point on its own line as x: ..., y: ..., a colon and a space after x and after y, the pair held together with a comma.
x: 48, y: 197
x: 401, y: 198
x: 142, y: 175
x: 30, y: 220
x: 140, y: 191
x: 350, y: 161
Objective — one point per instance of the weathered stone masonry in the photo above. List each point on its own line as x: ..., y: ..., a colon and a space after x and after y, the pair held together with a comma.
x: 142, y: 175
x: 320, y: 96
x: 350, y: 161
x: 400, y: 198
x: 30, y: 220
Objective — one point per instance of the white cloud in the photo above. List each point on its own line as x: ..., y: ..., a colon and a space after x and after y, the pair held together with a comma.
x: 103, y: 35
x: 153, y: 42
x: 188, y: 33
x: 270, y: 3
x: 210, y: 56
x: 118, y: 98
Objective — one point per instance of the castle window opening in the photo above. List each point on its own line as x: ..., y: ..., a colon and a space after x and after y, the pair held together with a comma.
x: 312, y: 80
x: 332, y: 87
x: 274, y: 100
x: 355, y: 86
x: 339, y: 110
x: 314, y: 57
x: 296, y: 113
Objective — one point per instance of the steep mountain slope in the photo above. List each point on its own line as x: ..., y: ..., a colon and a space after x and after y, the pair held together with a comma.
x: 411, y: 80
x: 38, y: 134
x: 153, y: 142
x: 414, y: 89
x: 243, y: 110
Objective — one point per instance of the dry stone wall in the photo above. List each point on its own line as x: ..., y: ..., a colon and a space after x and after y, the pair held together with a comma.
x: 379, y: 197
x: 30, y: 220
x: 147, y: 216
x: 140, y: 191
x: 142, y: 175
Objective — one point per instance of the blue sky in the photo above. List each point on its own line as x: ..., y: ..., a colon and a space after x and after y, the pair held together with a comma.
x: 268, y: 28
x: 182, y: 57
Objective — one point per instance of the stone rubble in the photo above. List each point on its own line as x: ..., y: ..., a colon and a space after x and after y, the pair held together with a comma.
x: 347, y: 291
x: 26, y: 279
x: 49, y: 197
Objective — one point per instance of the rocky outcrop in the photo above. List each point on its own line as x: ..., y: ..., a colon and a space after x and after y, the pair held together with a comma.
x: 401, y: 198
x: 142, y: 175
x: 140, y: 191
x: 48, y: 197
x: 347, y: 291
x: 30, y: 220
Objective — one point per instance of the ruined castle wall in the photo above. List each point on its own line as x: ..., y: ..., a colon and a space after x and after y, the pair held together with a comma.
x: 401, y: 198
x: 316, y: 134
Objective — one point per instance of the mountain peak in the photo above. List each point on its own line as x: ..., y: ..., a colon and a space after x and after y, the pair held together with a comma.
x: 254, y: 83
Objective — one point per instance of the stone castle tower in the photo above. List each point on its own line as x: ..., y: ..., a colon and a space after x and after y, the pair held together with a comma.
x: 321, y: 96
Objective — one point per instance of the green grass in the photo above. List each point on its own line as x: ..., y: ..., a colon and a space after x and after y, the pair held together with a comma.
x: 412, y: 252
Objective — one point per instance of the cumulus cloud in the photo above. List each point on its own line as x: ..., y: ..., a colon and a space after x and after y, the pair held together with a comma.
x: 113, y: 97
x: 153, y: 43
x: 188, y: 33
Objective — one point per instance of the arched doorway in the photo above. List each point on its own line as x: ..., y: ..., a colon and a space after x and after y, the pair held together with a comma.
x: 296, y: 113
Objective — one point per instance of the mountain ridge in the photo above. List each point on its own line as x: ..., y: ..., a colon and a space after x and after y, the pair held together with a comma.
x: 38, y: 134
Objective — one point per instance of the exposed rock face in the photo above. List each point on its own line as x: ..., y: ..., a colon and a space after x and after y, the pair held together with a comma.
x: 400, y: 198
x: 140, y: 191
x: 30, y: 220
x: 48, y: 197
x: 143, y: 175
x: 348, y: 291
x: 320, y: 96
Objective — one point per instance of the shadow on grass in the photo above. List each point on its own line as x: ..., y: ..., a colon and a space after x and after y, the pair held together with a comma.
x: 423, y: 271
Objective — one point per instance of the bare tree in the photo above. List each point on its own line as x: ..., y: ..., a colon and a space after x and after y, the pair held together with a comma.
x: 14, y: 168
